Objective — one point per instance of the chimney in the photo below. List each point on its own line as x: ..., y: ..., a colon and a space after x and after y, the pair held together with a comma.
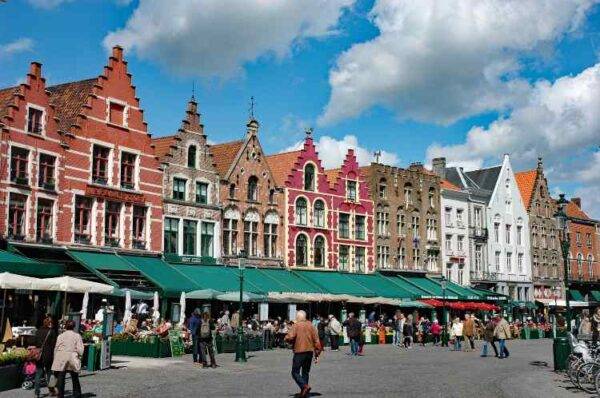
x: 35, y: 69
x: 117, y: 53
x: 439, y: 166
x: 192, y: 117
x: 577, y: 201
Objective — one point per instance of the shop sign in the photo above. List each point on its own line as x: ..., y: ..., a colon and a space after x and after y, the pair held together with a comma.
x: 114, y: 194
x: 175, y: 259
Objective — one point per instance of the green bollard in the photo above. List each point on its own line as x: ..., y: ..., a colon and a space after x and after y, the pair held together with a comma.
x: 560, y: 351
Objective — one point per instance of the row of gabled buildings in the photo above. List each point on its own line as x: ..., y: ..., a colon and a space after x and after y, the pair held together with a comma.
x: 79, y: 169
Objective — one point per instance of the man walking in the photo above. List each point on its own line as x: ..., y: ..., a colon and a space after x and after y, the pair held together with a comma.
x: 469, y: 332
x: 204, y: 335
x: 488, y: 337
x: 335, y: 328
x: 193, y: 326
x: 502, y: 333
x: 353, y: 329
x: 305, y: 341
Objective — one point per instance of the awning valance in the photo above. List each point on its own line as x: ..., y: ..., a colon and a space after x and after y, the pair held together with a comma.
x: 20, y: 265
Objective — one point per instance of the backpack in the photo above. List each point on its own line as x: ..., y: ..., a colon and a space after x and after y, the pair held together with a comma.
x: 204, y: 330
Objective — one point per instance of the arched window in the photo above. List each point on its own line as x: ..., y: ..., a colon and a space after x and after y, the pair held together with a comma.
x: 432, y: 197
x: 301, y: 251
x: 383, y: 189
x: 272, y: 196
x: 579, y: 264
x: 408, y: 194
x: 319, y: 251
x: 253, y: 188
x: 301, y: 211
x: 590, y: 264
x: 191, y: 156
x: 309, y: 177
x: 319, y: 214
x: 232, y: 191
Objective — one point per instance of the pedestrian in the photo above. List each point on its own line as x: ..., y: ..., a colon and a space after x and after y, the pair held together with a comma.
x: 353, y: 329
x: 502, y: 333
x: 67, y: 358
x: 205, y: 339
x: 45, y: 341
x: 322, y: 326
x: 193, y: 325
x: 489, y: 338
x: 235, y: 320
x: 457, y: 331
x: 407, y: 332
x: 400, y: 329
x: 469, y: 332
x: 335, y: 330
x: 305, y: 342
x: 436, y: 330
x: 585, y: 327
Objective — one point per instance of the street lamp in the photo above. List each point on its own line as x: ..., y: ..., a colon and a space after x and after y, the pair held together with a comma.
x: 443, y: 283
x: 562, y: 222
x: 240, y: 349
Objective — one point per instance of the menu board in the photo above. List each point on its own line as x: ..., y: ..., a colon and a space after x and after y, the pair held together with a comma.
x: 176, y: 343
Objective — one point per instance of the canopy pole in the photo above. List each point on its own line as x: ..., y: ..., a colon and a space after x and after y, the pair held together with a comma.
x: 2, y: 317
x: 64, y: 311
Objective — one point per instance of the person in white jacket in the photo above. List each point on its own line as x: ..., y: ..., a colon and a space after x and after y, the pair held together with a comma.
x: 457, y: 332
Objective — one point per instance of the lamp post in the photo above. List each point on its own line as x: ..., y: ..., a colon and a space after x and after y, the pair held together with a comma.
x: 240, y: 349
x: 565, y: 242
x: 443, y: 283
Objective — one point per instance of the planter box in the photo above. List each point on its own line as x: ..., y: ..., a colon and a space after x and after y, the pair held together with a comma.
x: 153, y: 349
x: 10, y: 377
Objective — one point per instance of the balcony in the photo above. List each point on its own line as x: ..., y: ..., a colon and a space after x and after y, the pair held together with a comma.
x: 483, y: 276
x: 479, y: 234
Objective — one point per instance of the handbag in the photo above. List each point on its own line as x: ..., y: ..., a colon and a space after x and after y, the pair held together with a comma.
x: 74, y: 362
x: 35, y: 354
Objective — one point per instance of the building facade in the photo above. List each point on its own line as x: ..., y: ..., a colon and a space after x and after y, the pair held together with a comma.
x: 104, y: 188
x: 545, y: 253
x: 407, y: 217
x: 329, y: 223
x: 192, y: 211
x: 251, y: 201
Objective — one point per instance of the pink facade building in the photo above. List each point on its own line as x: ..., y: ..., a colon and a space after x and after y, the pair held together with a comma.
x: 329, y: 214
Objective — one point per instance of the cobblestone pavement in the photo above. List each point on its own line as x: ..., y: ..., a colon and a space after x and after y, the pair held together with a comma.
x: 384, y: 371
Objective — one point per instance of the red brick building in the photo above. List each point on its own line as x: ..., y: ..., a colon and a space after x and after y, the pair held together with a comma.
x: 77, y: 164
x: 584, y: 253
x: 329, y: 215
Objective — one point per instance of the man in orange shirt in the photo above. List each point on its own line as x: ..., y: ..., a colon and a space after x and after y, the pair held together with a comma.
x: 305, y: 339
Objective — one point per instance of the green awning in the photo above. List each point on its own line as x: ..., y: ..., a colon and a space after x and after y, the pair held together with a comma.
x: 595, y: 294
x: 382, y: 286
x: 292, y: 281
x: 431, y: 288
x: 217, y: 277
x: 576, y: 295
x: 20, y: 265
x: 334, y: 282
x: 170, y: 281
x: 490, y: 296
x: 464, y: 293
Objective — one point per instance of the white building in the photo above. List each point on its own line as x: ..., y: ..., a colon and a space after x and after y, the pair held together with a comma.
x: 456, y: 259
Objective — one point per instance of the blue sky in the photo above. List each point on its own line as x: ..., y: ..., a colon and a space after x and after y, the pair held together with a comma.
x: 416, y: 79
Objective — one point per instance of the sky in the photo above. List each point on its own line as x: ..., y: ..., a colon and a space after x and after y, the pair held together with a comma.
x: 467, y: 79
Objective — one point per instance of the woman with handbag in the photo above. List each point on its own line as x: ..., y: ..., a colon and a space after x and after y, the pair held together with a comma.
x: 45, y: 340
x: 67, y: 358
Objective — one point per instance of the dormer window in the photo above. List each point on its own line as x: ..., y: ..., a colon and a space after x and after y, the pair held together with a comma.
x: 309, y: 177
x: 191, y: 157
x: 252, y: 194
x: 352, y: 191
x: 34, y: 121
x: 116, y: 113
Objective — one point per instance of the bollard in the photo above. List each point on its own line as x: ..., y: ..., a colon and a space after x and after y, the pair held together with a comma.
x: 561, y: 351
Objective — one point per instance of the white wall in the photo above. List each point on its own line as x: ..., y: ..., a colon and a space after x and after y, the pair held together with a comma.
x: 452, y: 228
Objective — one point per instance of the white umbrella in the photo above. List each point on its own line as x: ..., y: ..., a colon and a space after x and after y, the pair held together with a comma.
x: 182, y: 309
x: 84, y: 305
x: 155, y: 309
x: 127, y: 315
x: 69, y: 284
x: 14, y: 281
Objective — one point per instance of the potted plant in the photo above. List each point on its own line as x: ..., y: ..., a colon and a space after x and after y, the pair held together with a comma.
x: 11, y: 363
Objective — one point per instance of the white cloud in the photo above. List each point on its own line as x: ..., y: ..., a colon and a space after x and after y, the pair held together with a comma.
x: 332, y: 152
x: 591, y: 174
x: 439, y: 60
x: 590, y: 200
x: 16, y: 46
x: 216, y: 38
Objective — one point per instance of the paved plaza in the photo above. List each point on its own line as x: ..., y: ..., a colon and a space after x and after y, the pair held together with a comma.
x: 384, y: 371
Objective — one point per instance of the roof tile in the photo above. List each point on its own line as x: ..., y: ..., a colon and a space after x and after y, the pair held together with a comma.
x: 68, y: 99
x: 526, y: 184
x: 224, y: 154
x: 162, y: 145
x: 281, y: 165
x: 575, y: 211
x: 445, y: 184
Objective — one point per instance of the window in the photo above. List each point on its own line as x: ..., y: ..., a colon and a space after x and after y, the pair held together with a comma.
x: 359, y: 259
x: 383, y: 256
x: 431, y: 229
x: 449, y: 242
x: 459, y: 217
x: 383, y: 189
x: 191, y: 156
x: 230, y: 232
x: 590, y: 264
x: 508, y: 233
x: 251, y: 237
x: 272, y: 196
x: 44, y: 221
x: 139, y: 227
x: 344, y: 227
x: 520, y: 262
x: 309, y: 177
x: 112, y: 216
x: 460, y: 243
x: 509, y: 262
x: 270, y: 240
x: 431, y: 197
x: 533, y: 235
x: 579, y: 264
x: 201, y: 193
x: 301, y: 211
x: 448, y: 216
x: 497, y: 232
x: 117, y: 113
x: 351, y: 186
x: 400, y: 220
x: 578, y: 238
x: 401, y: 257
x: 301, y: 251
x: 100, y: 165
x: 34, y: 121
x: 519, y: 234
x: 449, y: 272
x: 189, y: 237
x: 478, y: 257
x: 207, y: 238
x: 588, y: 239
x: 344, y: 257
x: 359, y: 227
x: 497, y: 260
x: 252, y: 189
x: 179, y: 188
x: 83, y: 211
x: 128, y: 161
x: 19, y: 159
x: 319, y: 214
x: 383, y: 223
x: 171, y: 236
x: 320, y: 251
x: 46, y: 172
x: 416, y: 258
x: 408, y: 194
x: 478, y: 217
x: 16, y: 216
x: 415, y: 227
x: 232, y: 191
x: 460, y: 276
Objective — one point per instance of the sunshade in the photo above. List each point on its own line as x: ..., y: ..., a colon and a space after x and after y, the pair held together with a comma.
x: 247, y: 297
x: 204, y: 294
x: 74, y: 285
x: 13, y: 281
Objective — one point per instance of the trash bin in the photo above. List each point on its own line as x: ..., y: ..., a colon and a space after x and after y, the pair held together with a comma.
x: 561, y: 351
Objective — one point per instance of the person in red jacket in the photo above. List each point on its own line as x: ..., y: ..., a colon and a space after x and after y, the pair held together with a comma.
x: 436, y: 331
x: 305, y: 340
